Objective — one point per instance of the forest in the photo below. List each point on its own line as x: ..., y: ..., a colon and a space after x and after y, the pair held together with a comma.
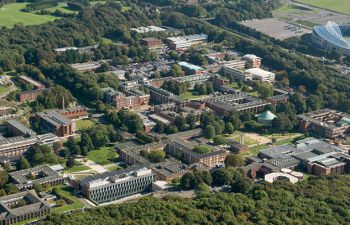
x: 322, y: 200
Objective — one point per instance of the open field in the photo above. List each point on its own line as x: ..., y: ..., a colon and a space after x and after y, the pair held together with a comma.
x: 68, y: 192
x: 3, y: 90
x: 11, y: 14
x: 307, y: 15
x: 84, y: 124
x: 103, y: 156
x: 341, y: 6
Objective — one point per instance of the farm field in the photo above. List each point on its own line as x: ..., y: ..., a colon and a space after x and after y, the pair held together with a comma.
x: 341, y: 6
x: 11, y: 14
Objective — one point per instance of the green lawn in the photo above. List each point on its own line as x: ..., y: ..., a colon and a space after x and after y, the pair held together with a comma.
x: 62, y: 7
x: 234, y: 85
x: 113, y: 167
x: 189, y: 96
x: 77, y: 169
x: 103, y: 156
x: 11, y: 14
x: 68, y: 192
x: 3, y: 89
x: 342, y: 6
x: 247, y: 141
x: 84, y: 124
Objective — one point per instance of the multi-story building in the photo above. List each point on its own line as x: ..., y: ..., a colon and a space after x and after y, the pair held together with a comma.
x: 22, y: 206
x: 110, y: 186
x: 312, y: 155
x: 21, y: 140
x: 239, y: 102
x: 153, y: 44
x: 253, y: 59
x: 161, y: 96
x: 168, y: 170
x: 32, y: 94
x: 185, y: 42
x: 325, y: 122
x: 53, y: 122
x: 133, y: 99
x: 249, y: 74
x: 181, y: 147
x: 191, y: 69
x: 44, y: 175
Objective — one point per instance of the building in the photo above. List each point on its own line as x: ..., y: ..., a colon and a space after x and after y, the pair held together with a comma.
x: 332, y: 37
x: 22, y: 206
x: 266, y: 118
x: 153, y: 44
x: 161, y: 96
x: 18, y: 129
x: 75, y: 112
x: 185, y: 42
x: 253, y: 59
x: 191, y: 69
x: 311, y: 155
x: 327, y: 123
x: 29, y: 80
x: 239, y: 102
x: 249, y: 74
x: 44, y: 175
x: 88, y: 66
x: 32, y: 94
x: 132, y: 99
x: 168, y: 170
x: 147, y: 29
x: 110, y: 186
x: 53, y: 122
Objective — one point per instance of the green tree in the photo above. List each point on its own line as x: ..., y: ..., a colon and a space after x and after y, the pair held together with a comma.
x: 234, y: 160
x: 156, y: 156
x: 242, y: 185
x: 265, y: 90
x: 22, y: 164
x: 229, y: 129
x: 209, y: 132
x: 220, y: 140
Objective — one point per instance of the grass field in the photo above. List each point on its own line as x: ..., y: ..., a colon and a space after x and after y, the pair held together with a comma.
x: 11, y: 14
x: 77, y: 169
x: 103, y: 156
x: 68, y: 192
x: 3, y: 89
x: 84, y: 124
x: 342, y: 6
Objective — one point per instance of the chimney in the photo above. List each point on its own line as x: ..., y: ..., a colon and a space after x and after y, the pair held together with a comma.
x: 63, y: 105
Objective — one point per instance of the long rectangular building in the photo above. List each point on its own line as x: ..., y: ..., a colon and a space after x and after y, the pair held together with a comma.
x: 110, y: 186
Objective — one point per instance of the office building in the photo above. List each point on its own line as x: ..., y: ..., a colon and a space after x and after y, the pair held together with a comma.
x: 22, y: 206
x: 238, y: 102
x: 191, y: 69
x: 53, y: 122
x: 44, y: 175
x: 132, y: 99
x: 153, y: 44
x: 185, y: 42
x: 253, y: 59
x: 249, y: 74
x: 110, y: 186
x: 328, y: 123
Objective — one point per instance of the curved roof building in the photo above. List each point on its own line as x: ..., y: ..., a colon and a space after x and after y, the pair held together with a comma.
x: 332, y: 37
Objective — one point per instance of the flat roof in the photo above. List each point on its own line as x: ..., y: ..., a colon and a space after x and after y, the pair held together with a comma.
x: 259, y: 72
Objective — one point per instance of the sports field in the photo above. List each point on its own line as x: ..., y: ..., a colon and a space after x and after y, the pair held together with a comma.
x: 11, y: 14
x: 342, y: 6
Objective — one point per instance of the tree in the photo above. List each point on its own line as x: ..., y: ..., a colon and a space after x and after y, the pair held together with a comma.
x: 220, y: 140
x: 188, y: 181
x: 209, y: 132
x: 313, y: 102
x: 234, y: 160
x: 191, y: 121
x: 70, y: 163
x: 282, y: 123
x: 38, y: 188
x: 202, y: 149
x: 57, y: 146
x: 242, y: 185
x: 156, y: 156
x: 180, y: 123
x: 202, y: 188
x: 265, y: 90
x: 22, y: 164
x: 229, y: 129
x: 4, y: 177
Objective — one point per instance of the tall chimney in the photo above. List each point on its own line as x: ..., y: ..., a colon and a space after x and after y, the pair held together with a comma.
x: 63, y: 106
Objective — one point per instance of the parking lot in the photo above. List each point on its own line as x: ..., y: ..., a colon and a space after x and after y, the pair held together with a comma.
x: 276, y: 28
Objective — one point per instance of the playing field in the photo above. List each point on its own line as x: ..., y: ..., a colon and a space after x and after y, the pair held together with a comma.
x: 342, y: 6
x: 11, y: 14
